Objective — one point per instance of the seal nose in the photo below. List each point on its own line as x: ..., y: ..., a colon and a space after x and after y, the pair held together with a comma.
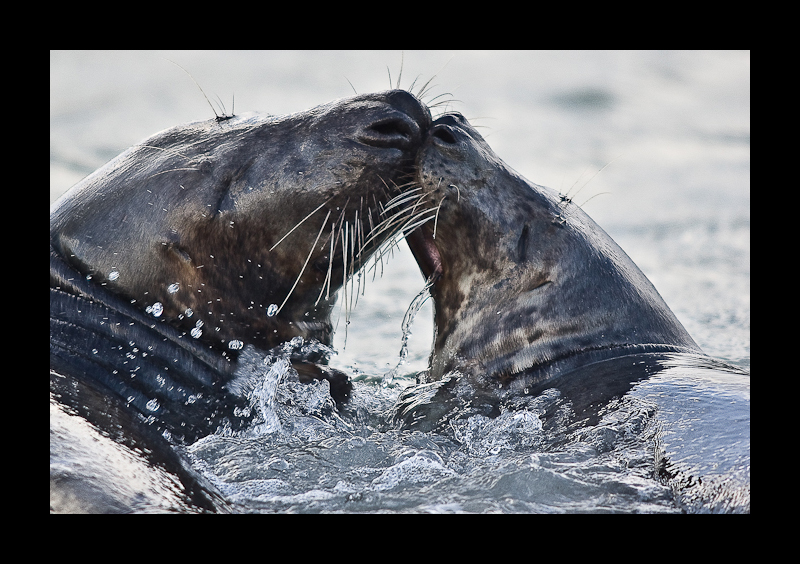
x: 402, y: 124
x: 444, y: 133
x: 411, y: 106
x: 444, y: 128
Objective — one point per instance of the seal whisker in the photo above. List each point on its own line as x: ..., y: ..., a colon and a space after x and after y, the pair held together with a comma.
x: 349, y: 250
x: 360, y: 246
x: 436, y: 219
x: 401, y: 215
x: 379, y: 254
x: 391, y: 221
x: 398, y: 189
x: 387, y: 247
x: 445, y: 103
x: 301, y: 222
x: 398, y: 200
x: 399, y: 76
x: 353, y: 269
x: 442, y: 102
x: 357, y: 235
x: 198, y: 86
x: 221, y: 105
x: 324, y: 223
x: 326, y: 284
x: 339, y: 223
x: 566, y: 197
x: 458, y: 192
x: 351, y: 86
x: 413, y: 82
x: 411, y: 222
x: 385, y: 187
x: 409, y: 226
x: 410, y: 196
x: 343, y: 232
x: 592, y: 198
x: 424, y: 88
x: 572, y: 197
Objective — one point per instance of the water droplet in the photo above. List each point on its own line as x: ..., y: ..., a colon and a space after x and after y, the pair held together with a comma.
x: 94, y: 351
x: 172, y: 288
x: 152, y: 405
x: 188, y: 312
x: 113, y: 275
x: 235, y: 345
x: 272, y: 310
x: 155, y: 310
x: 196, y: 332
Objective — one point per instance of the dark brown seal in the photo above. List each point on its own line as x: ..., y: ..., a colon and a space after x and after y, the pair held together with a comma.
x: 209, y: 237
x: 526, y: 287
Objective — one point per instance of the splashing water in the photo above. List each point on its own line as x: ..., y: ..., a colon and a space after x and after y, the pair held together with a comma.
x: 408, y: 319
x: 265, y: 396
x: 155, y: 310
x: 302, y: 454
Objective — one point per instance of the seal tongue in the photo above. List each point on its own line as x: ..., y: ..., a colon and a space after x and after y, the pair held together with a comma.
x: 423, y: 247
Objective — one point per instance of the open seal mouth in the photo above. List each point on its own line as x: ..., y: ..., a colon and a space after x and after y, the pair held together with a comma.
x: 423, y: 247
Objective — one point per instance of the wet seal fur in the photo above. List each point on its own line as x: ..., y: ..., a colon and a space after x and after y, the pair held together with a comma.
x: 528, y: 292
x: 201, y: 240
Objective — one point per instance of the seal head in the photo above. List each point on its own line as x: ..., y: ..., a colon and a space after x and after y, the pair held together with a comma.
x: 211, y: 218
x: 215, y: 235
x: 526, y: 287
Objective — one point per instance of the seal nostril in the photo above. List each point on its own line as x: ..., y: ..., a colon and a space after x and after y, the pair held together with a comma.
x: 391, y: 132
x: 393, y: 127
x: 443, y: 132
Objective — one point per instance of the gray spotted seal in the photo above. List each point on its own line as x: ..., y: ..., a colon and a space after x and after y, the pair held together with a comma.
x: 206, y: 238
x: 528, y: 291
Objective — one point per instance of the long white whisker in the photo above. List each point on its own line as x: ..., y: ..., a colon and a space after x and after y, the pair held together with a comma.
x: 409, y: 227
x: 311, y: 252
x: 301, y: 222
x: 361, y: 243
x: 592, y: 198
x: 572, y: 197
x: 327, y: 283
x: 436, y: 219
x: 344, y: 283
x: 389, y: 222
x: 380, y: 252
x: 398, y: 200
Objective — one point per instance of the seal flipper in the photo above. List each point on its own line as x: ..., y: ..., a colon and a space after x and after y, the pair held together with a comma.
x: 90, y: 425
x: 340, y: 383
